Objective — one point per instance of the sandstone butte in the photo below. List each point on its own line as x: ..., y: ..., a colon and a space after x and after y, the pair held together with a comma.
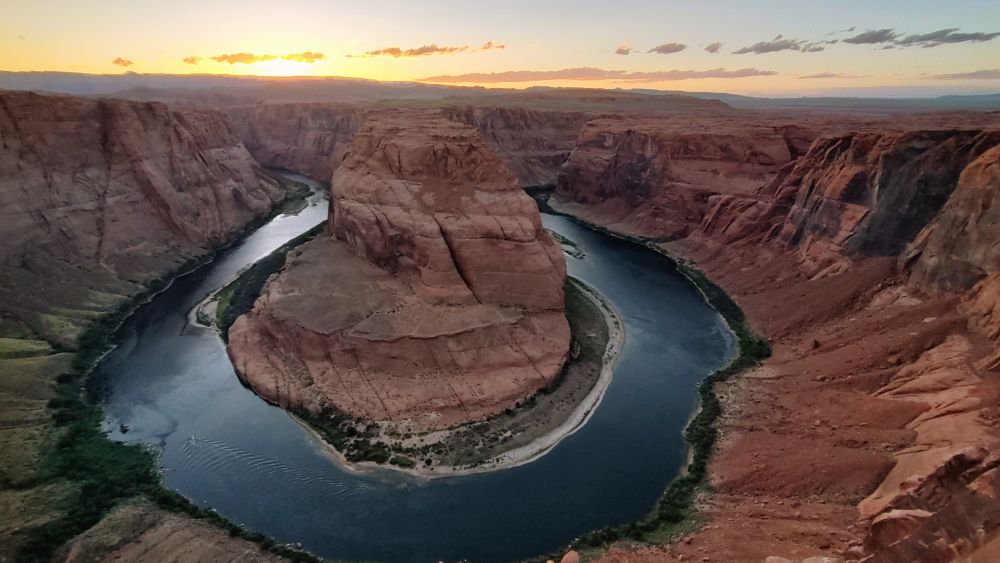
x: 870, y: 260
x: 436, y: 297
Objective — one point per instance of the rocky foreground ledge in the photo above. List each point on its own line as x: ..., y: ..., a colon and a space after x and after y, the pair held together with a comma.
x: 436, y: 299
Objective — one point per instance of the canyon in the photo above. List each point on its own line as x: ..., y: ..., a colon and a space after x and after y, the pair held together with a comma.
x: 100, y: 200
x: 863, y: 247
x: 869, y: 261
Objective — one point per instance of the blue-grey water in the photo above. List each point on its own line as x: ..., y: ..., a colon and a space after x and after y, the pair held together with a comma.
x: 223, y: 447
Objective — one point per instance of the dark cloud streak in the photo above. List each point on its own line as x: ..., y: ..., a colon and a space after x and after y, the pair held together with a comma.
x: 590, y: 73
x: 424, y: 50
x: 781, y: 43
x: 945, y: 36
x: 873, y: 36
x: 668, y: 48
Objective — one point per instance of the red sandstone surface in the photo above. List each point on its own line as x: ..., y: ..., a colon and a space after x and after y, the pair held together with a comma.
x: 99, y: 197
x: 437, y: 298
x: 870, y: 262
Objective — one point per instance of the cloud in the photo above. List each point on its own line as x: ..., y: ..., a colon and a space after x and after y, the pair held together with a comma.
x: 21, y: 37
x: 873, y: 36
x: 192, y: 60
x: 668, y: 48
x: 590, y: 73
x: 122, y: 62
x: 304, y: 57
x: 251, y: 58
x: 242, y: 58
x: 836, y: 31
x: 943, y: 36
x: 985, y: 74
x: 713, y: 47
x: 624, y: 49
x: 491, y: 45
x: 829, y: 75
x: 779, y: 43
x: 421, y: 51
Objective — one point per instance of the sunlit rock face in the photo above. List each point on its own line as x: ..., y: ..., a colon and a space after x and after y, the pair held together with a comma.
x: 436, y: 299
x: 100, y: 196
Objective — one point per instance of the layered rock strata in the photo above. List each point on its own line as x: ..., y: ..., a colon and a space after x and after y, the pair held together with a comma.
x: 436, y: 299
x: 97, y: 200
x: 535, y: 143
x: 311, y: 139
x: 658, y: 176
x: 870, y: 262
x: 100, y: 197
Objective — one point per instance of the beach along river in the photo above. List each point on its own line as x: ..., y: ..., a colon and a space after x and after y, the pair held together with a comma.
x: 221, y: 446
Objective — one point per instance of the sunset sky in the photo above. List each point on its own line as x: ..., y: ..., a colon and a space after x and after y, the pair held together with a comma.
x: 764, y: 47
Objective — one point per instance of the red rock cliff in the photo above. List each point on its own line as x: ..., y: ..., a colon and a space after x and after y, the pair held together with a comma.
x: 437, y: 300
x: 100, y: 196
x: 310, y: 139
x: 871, y: 263
x: 535, y: 143
x: 658, y: 176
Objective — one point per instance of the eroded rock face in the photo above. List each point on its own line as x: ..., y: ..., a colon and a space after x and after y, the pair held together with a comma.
x: 535, y: 143
x: 99, y: 197
x: 660, y: 176
x: 960, y: 247
x: 437, y: 299
x: 311, y: 139
x: 870, y: 194
x: 871, y: 264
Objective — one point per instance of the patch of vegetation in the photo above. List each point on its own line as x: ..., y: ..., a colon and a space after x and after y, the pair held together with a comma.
x: 354, y: 439
x: 238, y: 297
x: 296, y: 194
x: 100, y: 473
x: 12, y: 348
x: 568, y: 245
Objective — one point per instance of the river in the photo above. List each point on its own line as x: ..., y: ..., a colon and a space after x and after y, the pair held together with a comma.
x: 222, y: 447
